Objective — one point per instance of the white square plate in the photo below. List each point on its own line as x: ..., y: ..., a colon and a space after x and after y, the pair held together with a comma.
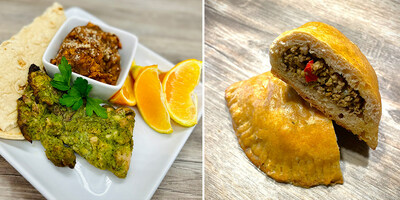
x: 152, y: 156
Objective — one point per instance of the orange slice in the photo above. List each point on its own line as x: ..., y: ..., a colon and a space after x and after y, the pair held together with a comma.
x: 161, y: 75
x: 178, y: 85
x: 136, y: 70
x: 151, y: 101
x: 125, y: 96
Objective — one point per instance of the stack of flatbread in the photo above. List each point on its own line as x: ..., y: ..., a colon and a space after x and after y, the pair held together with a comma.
x: 16, y: 55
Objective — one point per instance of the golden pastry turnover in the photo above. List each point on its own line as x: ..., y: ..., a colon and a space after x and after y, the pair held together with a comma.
x: 330, y: 72
x: 281, y: 134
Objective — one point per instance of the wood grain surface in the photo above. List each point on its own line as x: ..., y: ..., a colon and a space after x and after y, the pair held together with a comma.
x: 237, y: 38
x: 171, y: 28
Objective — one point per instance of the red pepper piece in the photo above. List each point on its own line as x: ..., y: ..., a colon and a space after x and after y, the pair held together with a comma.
x: 308, y: 72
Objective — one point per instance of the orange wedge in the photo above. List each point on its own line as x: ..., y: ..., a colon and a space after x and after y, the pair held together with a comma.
x: 151, y: 101
x: 136, y: 70
x: 178, y: 85
x: 125, y: 96
x: 161, y: 75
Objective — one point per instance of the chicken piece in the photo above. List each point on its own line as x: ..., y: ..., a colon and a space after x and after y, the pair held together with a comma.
x: 104, y: 143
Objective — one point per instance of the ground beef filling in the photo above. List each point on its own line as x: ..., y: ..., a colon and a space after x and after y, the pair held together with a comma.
x: 329, y: 83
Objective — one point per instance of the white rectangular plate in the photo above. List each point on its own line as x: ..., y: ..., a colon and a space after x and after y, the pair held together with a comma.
x: 152, y: 156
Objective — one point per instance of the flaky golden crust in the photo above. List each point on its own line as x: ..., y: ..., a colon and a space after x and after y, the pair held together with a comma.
x: 281, y: 134
x: 345, y: 58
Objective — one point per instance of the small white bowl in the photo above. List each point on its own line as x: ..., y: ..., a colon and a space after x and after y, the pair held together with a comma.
x: 100, y: 90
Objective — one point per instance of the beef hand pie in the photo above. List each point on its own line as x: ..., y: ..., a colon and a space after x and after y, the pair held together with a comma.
x: 331, y: 73
x: 281, y: 134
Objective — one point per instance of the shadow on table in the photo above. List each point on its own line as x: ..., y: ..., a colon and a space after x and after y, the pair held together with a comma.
x: 349, y: 141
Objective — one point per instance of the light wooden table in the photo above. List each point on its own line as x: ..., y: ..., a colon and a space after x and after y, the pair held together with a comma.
x: 171, y: 28
x: 237, y: 38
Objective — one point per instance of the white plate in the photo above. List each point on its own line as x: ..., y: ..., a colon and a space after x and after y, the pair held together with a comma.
x: 152, y: 156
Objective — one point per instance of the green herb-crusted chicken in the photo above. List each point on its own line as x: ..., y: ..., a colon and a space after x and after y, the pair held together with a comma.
x: 104, y: 143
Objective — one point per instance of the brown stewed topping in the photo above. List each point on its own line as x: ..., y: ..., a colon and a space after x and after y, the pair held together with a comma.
x: 92, y: 52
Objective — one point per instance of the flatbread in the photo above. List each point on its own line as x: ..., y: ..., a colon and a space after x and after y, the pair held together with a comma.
x: 16, y: 55
x: 281, y: 134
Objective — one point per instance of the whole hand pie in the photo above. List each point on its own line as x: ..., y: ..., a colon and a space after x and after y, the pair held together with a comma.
x: 281, y: 134
x: 331, y: 73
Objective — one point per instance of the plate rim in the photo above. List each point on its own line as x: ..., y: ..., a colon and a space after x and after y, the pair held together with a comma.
x: 74, y: 11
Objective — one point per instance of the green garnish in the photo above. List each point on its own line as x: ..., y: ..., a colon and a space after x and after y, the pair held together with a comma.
x: 62, y: 81
x: 77, y: 93
x: 93, y: 105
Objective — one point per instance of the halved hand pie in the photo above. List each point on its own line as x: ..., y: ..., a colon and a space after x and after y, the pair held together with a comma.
x: 331, y: 73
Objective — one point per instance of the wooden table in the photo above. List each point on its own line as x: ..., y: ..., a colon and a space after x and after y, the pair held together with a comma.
x: 237, y: 38
x: 171, y: 28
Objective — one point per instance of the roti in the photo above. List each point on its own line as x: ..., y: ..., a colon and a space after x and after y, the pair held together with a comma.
x: 16, y: 55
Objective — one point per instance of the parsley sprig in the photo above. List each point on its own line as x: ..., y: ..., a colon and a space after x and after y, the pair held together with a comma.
x: 62, y: 81
x: 77, y: 92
